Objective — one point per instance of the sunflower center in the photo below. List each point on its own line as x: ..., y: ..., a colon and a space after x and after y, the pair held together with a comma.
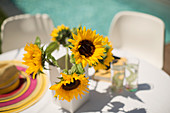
x: 72, y: 85
x: 87, y: 48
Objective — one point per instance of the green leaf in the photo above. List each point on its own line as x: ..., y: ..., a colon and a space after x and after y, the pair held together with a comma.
x: 104, y: 57
x: 73, y: 69
x: 66, y: 45
x: 107, y: 47
x: 79, y: 27
x: 37, y: 41
x: 54, y: 60
x: 72, y: 59
x: 46, y: 68
x: 42, y: 49
x: 51, y: 47
x: 80, y: 68
x: 57, y: 82
x: 70, y: 72
x: 51, y: 60
x: 40, y: 72
x: 65, y: 71
x: 55, y: 63
x: 60, y: 77
x: 74, y: 30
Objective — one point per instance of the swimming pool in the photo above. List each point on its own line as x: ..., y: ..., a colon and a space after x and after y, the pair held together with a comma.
x: 95, y: 14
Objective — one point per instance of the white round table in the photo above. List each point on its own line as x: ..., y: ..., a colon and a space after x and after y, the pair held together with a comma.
x: 152, y: 95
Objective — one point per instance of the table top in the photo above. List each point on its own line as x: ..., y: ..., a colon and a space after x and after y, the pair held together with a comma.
x: 152, y: 95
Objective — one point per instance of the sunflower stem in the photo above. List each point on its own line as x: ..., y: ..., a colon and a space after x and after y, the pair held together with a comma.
x: 66, y: 59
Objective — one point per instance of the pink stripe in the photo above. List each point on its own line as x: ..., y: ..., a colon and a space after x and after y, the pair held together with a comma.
x: 26, y: 94
x: 21, y: 68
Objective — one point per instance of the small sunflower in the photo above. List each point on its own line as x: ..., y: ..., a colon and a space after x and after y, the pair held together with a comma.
x: 109, y: 57
x: 87, y: 47
x: 105, y: 62
x: 33, y: 59
x: 60, y: 34
x: 71, y: 86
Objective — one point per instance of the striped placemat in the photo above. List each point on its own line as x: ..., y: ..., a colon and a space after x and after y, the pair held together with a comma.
x: 26, y: 94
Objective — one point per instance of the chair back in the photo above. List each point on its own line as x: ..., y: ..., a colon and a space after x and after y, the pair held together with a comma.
x: 139, y: 34
x: 17, y: 31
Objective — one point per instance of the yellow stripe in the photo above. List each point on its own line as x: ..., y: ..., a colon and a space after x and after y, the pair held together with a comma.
x: 10, y: 88
x: 10, y: 80
x: 15, y: 62
x: 27, y: 86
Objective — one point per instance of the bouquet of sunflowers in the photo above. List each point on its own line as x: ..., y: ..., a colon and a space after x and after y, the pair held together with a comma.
x: 87, y: 47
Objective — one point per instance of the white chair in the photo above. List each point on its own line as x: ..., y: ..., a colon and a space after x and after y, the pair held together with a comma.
x: 139, y: 34
x: 17, y: 31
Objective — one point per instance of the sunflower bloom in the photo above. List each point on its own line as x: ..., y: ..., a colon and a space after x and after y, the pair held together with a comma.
x: 72, y: 86
x: 105, y: 62
x: 33, y: 59
x: 109, y: 56
x: 87, y: 47
x: 56, y: 31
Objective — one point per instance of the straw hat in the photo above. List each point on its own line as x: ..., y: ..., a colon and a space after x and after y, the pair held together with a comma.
x: 9, y: 77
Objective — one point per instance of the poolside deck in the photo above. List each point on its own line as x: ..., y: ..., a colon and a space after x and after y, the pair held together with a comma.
x: 10, y: 9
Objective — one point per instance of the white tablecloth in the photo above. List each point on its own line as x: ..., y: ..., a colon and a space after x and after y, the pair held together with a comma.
x: 152, y: 96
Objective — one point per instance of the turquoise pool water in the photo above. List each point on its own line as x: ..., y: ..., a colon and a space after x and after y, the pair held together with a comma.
x: 95, y: 14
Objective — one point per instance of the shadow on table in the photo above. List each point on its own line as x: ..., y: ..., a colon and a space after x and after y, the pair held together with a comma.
x: 118, y: 106
x: 132, y: 95
x: 98, y: 100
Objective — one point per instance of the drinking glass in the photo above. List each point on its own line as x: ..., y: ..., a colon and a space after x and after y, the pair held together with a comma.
x: 131, y: 74
x: 117, y: 75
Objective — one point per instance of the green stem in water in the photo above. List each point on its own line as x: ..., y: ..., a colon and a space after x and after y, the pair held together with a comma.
x: 66, y: 59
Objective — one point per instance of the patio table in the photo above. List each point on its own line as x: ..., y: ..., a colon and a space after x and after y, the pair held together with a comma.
x: 152, y: 96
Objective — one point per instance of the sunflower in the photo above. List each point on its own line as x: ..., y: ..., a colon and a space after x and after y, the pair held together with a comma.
x: 60, y: 34
x: 87, y: 47
x: 105, y: 62
x: 33, y: 59
x: 109, y: 57
x: 71, y: 86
